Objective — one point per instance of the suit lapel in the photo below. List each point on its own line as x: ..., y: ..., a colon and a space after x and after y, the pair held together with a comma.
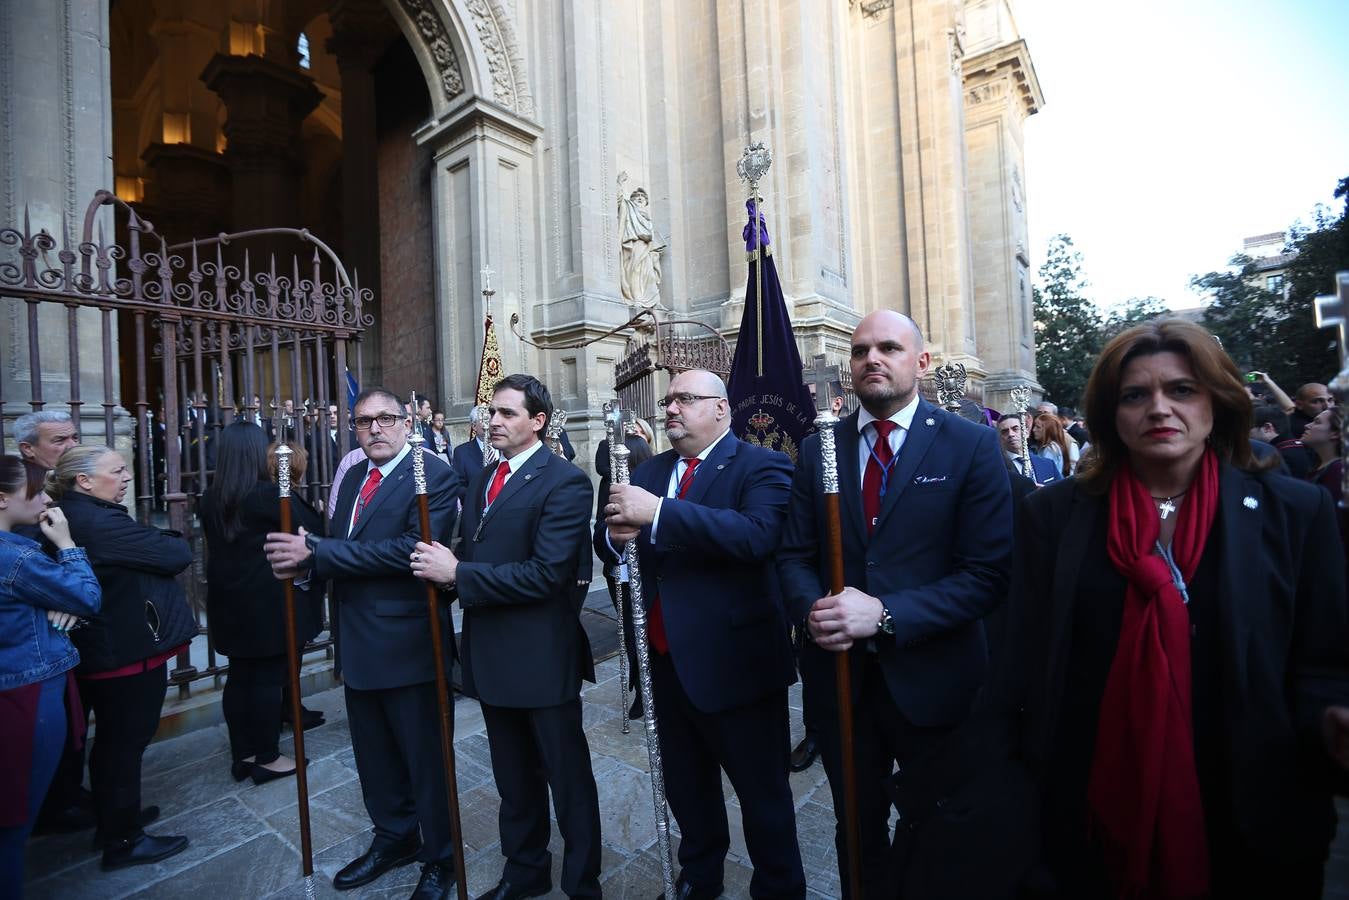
x: 710, y: 468
x: 849, y: 478
x: 916, y: 444
x: 346, y: 496
x: 518, y: 481
x: 386, y: 487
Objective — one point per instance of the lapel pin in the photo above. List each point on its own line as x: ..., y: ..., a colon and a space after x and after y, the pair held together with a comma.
x: 720, y: 467
x: 929, y: 421
x: 1251, y: 503
x: 529, y: 476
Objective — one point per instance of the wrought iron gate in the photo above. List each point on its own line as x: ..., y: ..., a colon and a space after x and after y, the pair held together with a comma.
x: 201, y: 330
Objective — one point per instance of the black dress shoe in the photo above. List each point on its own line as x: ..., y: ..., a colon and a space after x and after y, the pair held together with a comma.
x: 505, y: 890
x: 142, y: 850
x: 436, y: 883
x: 686, y: 891
x: 148, y: 815
x: 375, y: 862
x: 240, y: 769
x: 262, y: 774
x: 803, y: 757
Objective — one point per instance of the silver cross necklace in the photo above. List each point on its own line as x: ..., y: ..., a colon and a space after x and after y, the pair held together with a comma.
x: 1167, y: 507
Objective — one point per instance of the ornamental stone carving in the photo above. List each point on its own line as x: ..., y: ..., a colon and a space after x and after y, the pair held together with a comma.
x: 505, y: 63
x: 437, y: 40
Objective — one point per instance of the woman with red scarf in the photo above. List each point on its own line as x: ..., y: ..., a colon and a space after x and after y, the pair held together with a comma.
x: 1179, y: 644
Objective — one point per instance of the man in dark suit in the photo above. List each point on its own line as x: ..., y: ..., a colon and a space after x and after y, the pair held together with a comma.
x: 383, y: 644
x: 706, y: 517
x: 1010, y: 434
x: 467, y: 457
x: 927, y: 545
x: 525, y: 653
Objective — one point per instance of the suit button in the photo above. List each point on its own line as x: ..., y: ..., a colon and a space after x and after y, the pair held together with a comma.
x: 871, y: 564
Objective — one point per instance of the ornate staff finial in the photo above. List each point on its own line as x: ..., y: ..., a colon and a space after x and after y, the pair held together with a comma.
x: 951, y: 380
x: 283, y: 453
x: 418, y: 452
x: 754, y: 163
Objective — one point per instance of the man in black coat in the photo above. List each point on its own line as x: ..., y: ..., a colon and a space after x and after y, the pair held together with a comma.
x: 383, y: 644
x: 525, y: 522
x: 467, y: 457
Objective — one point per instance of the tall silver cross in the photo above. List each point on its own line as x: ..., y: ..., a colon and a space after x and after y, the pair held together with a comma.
x: 1330, y: 313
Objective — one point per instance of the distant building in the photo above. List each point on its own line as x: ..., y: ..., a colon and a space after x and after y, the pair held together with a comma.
x: 1271, y: 260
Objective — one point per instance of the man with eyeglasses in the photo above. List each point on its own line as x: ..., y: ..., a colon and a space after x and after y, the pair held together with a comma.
x: 525, y: 653
x: 926, y: 518
x: 384, y: 642
x: 706, y: 517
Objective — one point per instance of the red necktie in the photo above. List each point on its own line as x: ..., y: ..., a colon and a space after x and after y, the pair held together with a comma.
x: 878, y: 464
x: 367, y: 491
x: 655, y: 626
x: 498, y: 481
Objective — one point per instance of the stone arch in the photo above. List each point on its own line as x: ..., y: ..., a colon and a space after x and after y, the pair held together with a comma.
x: 467, y: 48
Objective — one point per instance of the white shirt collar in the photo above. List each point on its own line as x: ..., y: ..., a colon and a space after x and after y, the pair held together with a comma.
x: 519, y: 459
x: 708, y: 449
x: 903, y: 418
x: 392, y: 464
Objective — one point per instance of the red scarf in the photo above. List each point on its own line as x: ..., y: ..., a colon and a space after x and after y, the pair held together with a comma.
x: 1143, y: 795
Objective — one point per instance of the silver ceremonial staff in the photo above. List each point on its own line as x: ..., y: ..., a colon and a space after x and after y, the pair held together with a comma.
x: 489, y: 453
x: 438, y: 655
x: 613, y: 430
x: 283, y: 452
x: 1021, y: 403
x: 621, y: 453
x: 1330, y: 312
x: 554, y: 434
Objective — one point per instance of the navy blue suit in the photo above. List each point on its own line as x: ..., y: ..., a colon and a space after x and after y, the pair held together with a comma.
x: 467, y: 460
x: 721, y: 691
x: 939, y: 560
x: 1045, y: 470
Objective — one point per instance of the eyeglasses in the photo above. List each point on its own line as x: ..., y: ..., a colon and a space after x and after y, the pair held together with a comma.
x: 684, y: 399
x: 363, y: 423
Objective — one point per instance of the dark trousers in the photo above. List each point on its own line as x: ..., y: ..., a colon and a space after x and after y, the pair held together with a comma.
x: 882, y: 738
x: 252, y: 707
x: 535, y: 750
x: 395, y: 735
x: 126, y: 715
x: 752, y: 745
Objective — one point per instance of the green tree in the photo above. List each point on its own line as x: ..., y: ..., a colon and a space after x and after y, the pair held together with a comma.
x: 1134, y: 312
x: 1276, y: 332
x: 1067, y: 324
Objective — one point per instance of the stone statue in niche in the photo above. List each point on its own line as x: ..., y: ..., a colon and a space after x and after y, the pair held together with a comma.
x: 639, y: 258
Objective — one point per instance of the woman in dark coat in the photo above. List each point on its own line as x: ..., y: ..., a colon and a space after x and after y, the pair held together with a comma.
x: 124, y: 650
x: 1179, y: 643
x: 244, y: 602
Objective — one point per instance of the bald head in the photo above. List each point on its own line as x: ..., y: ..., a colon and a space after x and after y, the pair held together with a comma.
x: 1313, y: 399
x: 696, y: 411
x: 887, y: 360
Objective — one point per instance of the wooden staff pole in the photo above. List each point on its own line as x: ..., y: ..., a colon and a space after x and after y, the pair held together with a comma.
x: 438, y: 654
x: 283, y: 453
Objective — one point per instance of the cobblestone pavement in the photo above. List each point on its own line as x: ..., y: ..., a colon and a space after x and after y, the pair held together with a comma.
x: 245, y: 840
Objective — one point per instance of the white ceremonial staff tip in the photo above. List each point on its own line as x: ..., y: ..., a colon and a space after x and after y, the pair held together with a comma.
x: 1251, y: 503
x: 929, y: 421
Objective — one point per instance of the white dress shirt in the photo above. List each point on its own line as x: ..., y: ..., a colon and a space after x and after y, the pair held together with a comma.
x: 867, y: 437
x: 513, y: 464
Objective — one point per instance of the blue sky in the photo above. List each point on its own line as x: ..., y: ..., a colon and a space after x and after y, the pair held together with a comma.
x: 1173, y: 130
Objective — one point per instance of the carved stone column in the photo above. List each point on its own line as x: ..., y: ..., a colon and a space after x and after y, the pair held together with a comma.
x: 189, y: 195
x: 266, y: 103
x: 1001, y: 92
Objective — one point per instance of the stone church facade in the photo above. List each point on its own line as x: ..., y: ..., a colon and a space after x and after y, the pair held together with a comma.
x: 428, y: 140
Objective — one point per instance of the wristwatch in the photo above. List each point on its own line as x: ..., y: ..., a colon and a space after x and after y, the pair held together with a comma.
x: 887, y: 622
x: 312, y: 542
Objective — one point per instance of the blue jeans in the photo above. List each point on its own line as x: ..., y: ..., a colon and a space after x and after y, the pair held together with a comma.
x: 49, y: 736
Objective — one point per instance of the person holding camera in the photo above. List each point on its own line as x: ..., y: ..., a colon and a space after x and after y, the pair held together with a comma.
x: 41, y: 600
x: 144, y: 622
